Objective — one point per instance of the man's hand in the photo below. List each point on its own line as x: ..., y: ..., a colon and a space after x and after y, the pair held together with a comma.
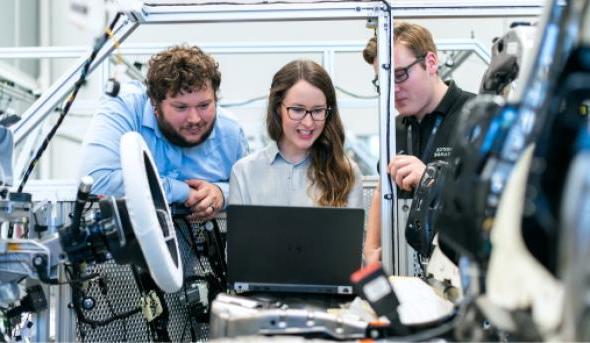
x: 406, y: 170
x: 205, y: 199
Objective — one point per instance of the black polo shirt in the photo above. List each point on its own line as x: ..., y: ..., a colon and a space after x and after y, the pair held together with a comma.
x: 413, y: 137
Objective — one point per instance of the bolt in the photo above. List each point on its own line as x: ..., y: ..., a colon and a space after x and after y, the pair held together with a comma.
x: 38, y: 261
x: 88, y: 303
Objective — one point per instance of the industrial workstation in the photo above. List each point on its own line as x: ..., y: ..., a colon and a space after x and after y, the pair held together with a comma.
x: 175, y: 171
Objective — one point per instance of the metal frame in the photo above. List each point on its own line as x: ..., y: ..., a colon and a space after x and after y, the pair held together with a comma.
x: 175, y: 13
x: 162, y: 13
x: 170, y: 13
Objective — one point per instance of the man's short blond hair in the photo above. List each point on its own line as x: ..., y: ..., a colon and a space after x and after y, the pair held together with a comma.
x: 417, y: 38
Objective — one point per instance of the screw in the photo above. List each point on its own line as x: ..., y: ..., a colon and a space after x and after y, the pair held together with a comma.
x: 38, y: 261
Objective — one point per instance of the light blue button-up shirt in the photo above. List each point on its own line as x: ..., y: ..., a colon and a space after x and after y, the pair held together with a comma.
x: 211, y: 160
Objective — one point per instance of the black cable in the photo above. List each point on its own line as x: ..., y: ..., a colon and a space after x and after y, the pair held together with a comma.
x: 354, y: 95
x: 76, y: 296
x: 80, y: 279
x: 429, y: 334
x: 243, y: 103
x: 104, y: 291
x: 439, y: 330
x: 158, y: 327
x: 259, y: 98
x: 99, y: 44
x: 89, y: 205
x: 41, y: 271
x: 139, y: 284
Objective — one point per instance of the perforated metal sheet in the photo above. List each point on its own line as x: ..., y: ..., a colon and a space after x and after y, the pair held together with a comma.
x: 123, y: 295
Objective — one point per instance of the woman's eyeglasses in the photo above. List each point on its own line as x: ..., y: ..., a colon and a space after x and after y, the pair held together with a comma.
x: 298, y: 113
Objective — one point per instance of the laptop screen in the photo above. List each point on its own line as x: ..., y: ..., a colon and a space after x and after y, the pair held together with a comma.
x: 279, y: 248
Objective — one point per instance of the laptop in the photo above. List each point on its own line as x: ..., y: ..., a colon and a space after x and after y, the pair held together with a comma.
x: 293, y: 249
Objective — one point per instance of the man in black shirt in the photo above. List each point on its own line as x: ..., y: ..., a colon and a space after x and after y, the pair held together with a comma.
x: 428, y: 110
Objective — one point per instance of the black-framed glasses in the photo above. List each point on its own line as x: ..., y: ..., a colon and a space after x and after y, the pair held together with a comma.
x: 298, y: 113
x: 402, y: 74
x: 375, y: 83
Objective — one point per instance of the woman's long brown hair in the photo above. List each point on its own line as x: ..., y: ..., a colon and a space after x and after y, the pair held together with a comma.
x: 330, y: 171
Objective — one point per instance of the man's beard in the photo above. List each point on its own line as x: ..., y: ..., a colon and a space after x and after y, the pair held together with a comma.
x: 176, y: 138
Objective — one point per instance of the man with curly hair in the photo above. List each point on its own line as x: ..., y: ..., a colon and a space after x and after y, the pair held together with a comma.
x: 193, y: 142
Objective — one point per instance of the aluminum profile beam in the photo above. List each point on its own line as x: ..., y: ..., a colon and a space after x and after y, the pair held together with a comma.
x: 457, y: 8
x: 228, y: 48
x: 16, y: 92
x: 42, y: 52
x: 387, y: 146
x: 193, y: 12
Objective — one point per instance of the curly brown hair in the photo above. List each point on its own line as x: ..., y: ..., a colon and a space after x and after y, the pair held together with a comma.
x: 181, y: 69
x: 331, y: 170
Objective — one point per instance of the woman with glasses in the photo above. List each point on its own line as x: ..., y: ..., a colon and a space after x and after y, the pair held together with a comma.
x: 305, y: 165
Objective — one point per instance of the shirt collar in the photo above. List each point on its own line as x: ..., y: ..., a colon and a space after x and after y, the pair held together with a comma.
x: 444, y: 106
x: 272, y: 153
x: 149, y: 118
x: 448, y: 99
